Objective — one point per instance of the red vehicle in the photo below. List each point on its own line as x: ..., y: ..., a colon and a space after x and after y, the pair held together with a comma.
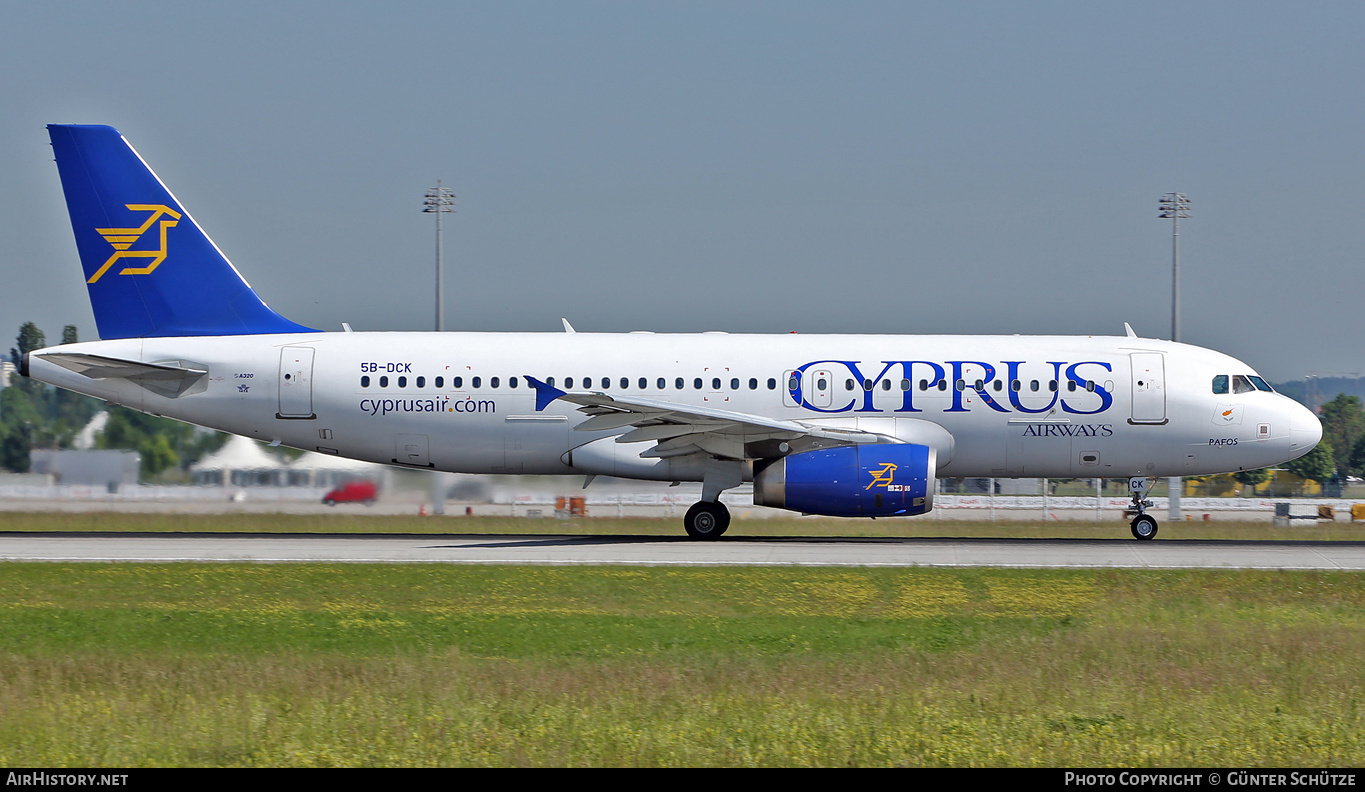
x: 352, y: 492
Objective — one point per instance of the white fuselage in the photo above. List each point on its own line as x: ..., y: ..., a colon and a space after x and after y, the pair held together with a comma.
x: 1051, y: 406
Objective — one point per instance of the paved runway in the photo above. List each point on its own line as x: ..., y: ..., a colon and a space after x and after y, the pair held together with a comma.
x: 663, y: 550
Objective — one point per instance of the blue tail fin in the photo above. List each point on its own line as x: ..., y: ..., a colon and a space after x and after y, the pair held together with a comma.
x: 150, y: 269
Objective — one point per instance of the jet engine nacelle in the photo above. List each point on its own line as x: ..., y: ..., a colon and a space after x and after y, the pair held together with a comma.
x: 880, y: 480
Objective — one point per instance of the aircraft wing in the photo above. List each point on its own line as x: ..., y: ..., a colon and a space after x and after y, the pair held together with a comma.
x: 678, y: 429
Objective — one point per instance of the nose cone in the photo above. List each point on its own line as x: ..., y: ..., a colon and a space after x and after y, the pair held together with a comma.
x: 1305, y: 430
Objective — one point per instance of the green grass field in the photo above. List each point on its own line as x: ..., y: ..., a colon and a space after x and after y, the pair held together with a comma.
x: 434, y: 665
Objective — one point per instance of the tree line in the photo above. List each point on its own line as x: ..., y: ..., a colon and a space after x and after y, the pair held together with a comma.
x: 1341, y: 452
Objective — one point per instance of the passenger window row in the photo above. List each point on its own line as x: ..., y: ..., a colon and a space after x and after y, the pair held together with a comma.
x: 662, y: 383
x: 586, y: 383
x: 1240, y: 384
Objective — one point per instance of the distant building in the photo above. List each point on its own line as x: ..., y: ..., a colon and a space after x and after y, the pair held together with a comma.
x: 241, y: 462
x: 323, y: 470
x: 105, y: 469
x: 1003, y: 486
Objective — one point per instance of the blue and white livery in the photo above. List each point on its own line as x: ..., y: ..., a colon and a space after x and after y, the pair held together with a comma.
x: 844, y: 425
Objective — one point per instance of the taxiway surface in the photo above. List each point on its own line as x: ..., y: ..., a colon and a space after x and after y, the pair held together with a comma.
x: 661, y: 550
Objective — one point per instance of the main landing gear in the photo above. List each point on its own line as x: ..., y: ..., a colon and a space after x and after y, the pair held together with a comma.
x: 1144, y: 525
x: 707, y: 520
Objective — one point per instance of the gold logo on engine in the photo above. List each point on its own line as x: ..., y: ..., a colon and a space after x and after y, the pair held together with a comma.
x: 881, y: 478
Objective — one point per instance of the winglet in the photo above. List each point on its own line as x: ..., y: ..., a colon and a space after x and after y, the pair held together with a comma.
x: 545, y: 393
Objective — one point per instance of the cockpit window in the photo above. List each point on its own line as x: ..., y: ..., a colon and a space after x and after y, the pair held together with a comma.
x: 1262, y: 385
x: 1220, y: 383
x: 1241, y: 384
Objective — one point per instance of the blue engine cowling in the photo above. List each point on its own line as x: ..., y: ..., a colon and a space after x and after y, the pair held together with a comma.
x: 882, y: 480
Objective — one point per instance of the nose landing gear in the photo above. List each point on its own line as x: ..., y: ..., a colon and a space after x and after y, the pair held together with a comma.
x: 1144, y: 525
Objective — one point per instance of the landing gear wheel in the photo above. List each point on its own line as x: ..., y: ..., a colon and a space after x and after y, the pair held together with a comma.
x: 1144, y: 527
x: 1144, y: 524
x: 707, y: 520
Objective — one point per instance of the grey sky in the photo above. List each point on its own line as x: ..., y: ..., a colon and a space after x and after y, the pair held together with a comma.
x: 757, y: 167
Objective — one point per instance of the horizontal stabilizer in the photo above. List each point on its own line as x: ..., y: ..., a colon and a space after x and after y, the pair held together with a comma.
x: 169, y: 379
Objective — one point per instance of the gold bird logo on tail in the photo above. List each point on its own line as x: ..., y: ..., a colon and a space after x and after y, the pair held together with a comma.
x: 124, y: 238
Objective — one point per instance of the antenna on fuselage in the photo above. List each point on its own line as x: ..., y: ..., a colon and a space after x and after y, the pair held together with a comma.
x: 1127, y: 328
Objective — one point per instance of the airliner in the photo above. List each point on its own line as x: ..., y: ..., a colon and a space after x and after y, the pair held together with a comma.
x: 838, y: 425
